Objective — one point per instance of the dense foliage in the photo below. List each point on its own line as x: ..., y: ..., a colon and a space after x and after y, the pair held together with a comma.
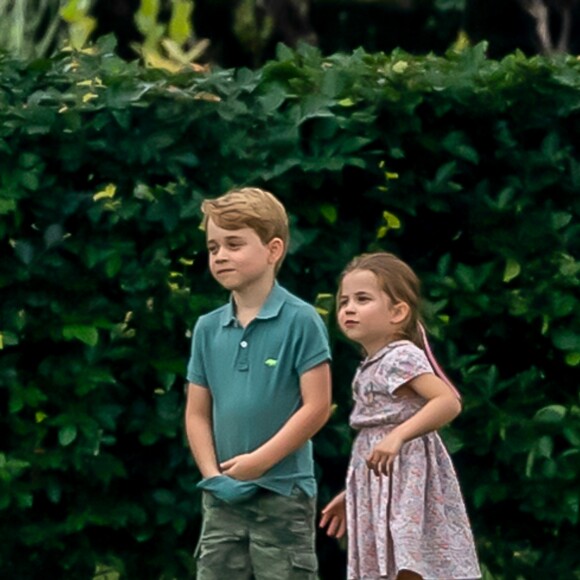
x: 464, y: 166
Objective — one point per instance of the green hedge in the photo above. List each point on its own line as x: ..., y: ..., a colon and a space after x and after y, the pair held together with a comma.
x: 464, y: 166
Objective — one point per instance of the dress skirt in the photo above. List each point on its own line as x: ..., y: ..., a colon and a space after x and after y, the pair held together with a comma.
x: 414, y: 519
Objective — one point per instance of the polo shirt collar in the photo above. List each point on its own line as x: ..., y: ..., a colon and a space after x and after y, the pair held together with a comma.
x: 270, y: 309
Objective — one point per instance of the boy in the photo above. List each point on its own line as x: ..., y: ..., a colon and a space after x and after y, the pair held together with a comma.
x: 259, y: 389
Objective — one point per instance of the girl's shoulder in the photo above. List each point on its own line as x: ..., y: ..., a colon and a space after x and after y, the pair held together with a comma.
x: 400, y: 349
x: 401, y: 362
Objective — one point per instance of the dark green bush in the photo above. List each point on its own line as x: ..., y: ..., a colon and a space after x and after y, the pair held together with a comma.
x: 465, y: 167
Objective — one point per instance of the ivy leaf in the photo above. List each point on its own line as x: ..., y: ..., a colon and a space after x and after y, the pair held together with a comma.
x: 7, y: 206
x: 566, y: 340
x: 25, y: 251
x: 512, y: 270
x: 329, y: 212
x: 87, y: 334
x: 53, y: 235
x: 67, y: 435
x: 551, y: 414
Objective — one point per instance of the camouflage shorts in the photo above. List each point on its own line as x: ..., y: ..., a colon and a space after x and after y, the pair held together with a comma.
x: 269, y: 537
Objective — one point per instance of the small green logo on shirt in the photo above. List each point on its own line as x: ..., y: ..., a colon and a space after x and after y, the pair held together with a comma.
x: 270, y: 362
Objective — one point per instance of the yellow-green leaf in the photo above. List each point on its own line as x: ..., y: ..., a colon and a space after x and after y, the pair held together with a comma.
x: 180, y: 23
x: 74, y: 10
x: 108, y: 192
x: 400, y: 66
x: 329, y: 212
x: 89, y: 97
x: 80, y: 30
x: 545, y: 324
x: 393, y: 222
x: 149, y: 8
x: 39, y: 416
x: 461, y: 42
x: 512, y: 270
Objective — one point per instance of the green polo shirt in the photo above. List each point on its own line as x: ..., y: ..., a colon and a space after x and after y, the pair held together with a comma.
x: 253, y: 374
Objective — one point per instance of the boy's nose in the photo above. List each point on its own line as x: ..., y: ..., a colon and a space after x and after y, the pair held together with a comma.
x: 220, y: 255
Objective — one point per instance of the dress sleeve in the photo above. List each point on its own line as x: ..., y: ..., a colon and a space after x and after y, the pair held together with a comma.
x: 401, y: 364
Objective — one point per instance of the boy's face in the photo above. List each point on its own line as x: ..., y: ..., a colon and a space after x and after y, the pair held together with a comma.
x: 238, y: 259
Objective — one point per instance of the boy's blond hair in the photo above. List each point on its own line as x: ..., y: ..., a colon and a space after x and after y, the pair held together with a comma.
x: 249, y: 207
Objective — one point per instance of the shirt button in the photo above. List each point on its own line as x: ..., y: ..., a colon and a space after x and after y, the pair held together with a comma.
x: 243, y: 344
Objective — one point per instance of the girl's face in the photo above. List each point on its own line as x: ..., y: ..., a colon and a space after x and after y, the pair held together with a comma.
x: 365, y: 313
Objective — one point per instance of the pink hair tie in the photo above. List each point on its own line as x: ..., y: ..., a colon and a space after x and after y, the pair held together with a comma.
x: 436, y: 367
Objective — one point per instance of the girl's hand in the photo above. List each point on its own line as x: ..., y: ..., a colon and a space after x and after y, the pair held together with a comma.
x: 382, y: 456
x: 334, y: 516
x: 242, y: 467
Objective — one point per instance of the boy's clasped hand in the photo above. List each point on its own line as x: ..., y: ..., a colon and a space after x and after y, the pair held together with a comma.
x: 227, y: 489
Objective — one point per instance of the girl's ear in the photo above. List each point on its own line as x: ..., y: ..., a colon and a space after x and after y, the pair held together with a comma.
x: 276, y: 247
x: 401, y: 311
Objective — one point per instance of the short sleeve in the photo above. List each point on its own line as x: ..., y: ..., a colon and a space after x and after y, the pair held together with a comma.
x: 196, y: 372
x: 401, y: 364
x: 312, y: 346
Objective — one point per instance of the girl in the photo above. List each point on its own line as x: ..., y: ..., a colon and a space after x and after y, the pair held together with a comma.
x: 402, y: 507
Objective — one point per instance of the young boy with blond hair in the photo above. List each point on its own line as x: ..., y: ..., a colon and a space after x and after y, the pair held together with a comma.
x: 259, y: 389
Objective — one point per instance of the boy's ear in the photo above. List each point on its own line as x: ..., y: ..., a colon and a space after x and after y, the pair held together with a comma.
x: 401, y: 311
x: 276, y: 247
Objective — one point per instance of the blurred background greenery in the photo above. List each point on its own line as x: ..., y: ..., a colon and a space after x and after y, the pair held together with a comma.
x: 245, y: 32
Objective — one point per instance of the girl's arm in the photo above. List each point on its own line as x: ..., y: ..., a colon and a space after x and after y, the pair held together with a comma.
x: 300, y: 427
x: 442, y: 407
x: 334, y: 516
x: 198, y: 426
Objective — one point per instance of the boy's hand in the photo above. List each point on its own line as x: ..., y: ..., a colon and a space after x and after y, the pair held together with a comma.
x: 382, y: 456
x: 334, y: 516
x: 242, y: 467
x: 227, y: 489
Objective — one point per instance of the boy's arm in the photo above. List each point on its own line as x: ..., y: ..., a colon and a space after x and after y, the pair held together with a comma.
x: 315, y: 388
x: 198, y: 426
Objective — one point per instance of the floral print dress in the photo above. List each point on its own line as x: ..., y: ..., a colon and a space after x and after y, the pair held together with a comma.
x: 414, y: 519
